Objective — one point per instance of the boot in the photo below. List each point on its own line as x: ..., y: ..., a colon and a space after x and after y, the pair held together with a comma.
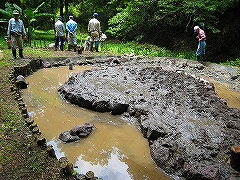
x: 14, y: 53
x: 198, y: 58
x: 61, y: 47
x: 91, y: 47
x: 69, y: 47
x: 96, y: 46
x: 21, y: 53
x: 204, y: 57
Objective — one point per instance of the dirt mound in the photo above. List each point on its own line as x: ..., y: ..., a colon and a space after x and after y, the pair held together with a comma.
x: 189, y: 128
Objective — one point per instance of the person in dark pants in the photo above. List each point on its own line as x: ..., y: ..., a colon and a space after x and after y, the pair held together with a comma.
x: 59, y: 33
x: 15, y: 32
x: 201, y: 37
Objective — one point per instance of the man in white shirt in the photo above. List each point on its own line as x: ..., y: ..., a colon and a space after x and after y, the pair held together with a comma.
x: 15, y: 32
x: 59, y: 33
x: 94, y: 31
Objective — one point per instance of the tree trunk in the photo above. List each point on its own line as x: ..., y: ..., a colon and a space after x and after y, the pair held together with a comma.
x: 66, y: 9
x: 61, y: 8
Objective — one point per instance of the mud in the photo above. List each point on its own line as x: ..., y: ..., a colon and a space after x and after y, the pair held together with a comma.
x: 189, y: 128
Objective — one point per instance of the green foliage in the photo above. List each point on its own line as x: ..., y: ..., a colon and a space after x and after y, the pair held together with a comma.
x: 235, y: 62
x: 9, y: 10
x: 132, y: 19
x: 140, y: 14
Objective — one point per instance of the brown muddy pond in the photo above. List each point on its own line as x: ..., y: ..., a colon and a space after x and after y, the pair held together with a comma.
x: 116, y: 150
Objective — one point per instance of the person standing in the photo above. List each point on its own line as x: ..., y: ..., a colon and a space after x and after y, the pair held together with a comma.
x: 94, y: 31
x: 59, y: 33
x: 71, y: 28
x: 201, y: 50
x: 15, y: 32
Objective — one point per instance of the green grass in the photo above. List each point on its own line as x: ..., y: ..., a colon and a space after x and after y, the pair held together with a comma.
x: 235, y: 62
x: 41, y: 40
x: 147, y: 50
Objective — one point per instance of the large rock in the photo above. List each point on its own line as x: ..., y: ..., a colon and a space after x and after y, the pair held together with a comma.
x: 82, y: 130
x: 186, y: 124
x: 21, y: 82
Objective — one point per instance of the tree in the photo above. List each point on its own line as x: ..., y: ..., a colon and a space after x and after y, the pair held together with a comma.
x: 167, y: 13
x: 30, y: 17
x: 7, y: 12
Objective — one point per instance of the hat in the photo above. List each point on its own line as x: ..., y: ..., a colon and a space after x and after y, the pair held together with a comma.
x: 15, y: 12
x: 70, y: 16
x: 196, y: 28
x: 60, y: 17
x: 95, y: 14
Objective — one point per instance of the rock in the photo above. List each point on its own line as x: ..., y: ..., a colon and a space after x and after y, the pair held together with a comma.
x: 200, y: 67
x: 235, y: 157
x: 67, y: 167
x: 35, y: 130
x: 29, y: 121
x: 160, y: 155
x: 21, y: 83
x: 82, y: 130
x: 101, y: 106
x: 202, y: 171
x: 41, y: 141
x: 89, y: 175
x: 51, y: 151
x: 154, y: 132
x: 119, y: 108
x: 47, y: 64
x: 65, y: 136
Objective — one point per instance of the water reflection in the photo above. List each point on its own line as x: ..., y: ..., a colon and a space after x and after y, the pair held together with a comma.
x: 107, y: 166
x: 115, y: 150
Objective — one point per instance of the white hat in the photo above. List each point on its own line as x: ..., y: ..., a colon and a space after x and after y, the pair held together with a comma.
x: 196, y: 28
x: 15, y: 12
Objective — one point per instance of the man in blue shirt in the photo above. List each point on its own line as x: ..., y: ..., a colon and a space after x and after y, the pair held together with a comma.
x: 15, y: 32
x: 71, y: 27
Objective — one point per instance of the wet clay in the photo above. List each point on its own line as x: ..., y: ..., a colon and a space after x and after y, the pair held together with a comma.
x: 181, y: 116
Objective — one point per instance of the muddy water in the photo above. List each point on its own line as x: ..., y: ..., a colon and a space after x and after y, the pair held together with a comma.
x: 223, y: 91
x: 115, y: 150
